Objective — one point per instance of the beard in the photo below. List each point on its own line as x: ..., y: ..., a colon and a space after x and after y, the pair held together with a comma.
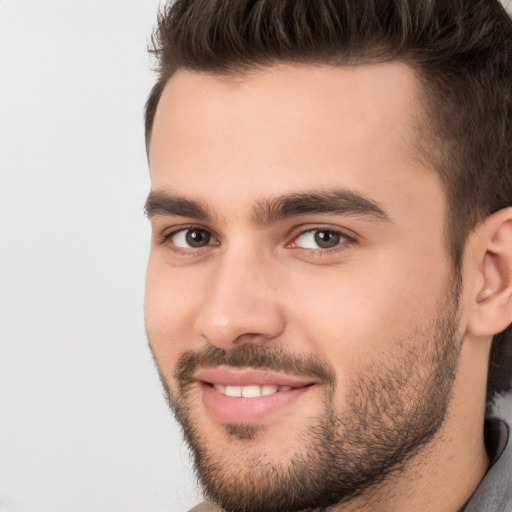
x: 393, y: 409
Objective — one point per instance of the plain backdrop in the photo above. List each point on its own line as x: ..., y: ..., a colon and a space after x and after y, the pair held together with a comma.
x: 83, y: 423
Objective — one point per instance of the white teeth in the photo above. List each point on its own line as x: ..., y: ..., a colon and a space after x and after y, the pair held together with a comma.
x: 234, y: 390
x: 250, y: 391
x: 268, y: 390
x: 220, y: 387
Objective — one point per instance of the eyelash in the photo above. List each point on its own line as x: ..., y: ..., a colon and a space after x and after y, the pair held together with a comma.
x: 181, y: 251
x: 347, y: 240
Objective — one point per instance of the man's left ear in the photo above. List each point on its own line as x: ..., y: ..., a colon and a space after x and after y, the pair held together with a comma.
x: 490, y: 309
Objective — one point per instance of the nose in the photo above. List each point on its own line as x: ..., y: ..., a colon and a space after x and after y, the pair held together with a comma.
x: 241, y: 304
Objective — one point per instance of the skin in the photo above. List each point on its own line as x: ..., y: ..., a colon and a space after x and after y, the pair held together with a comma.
x: 230, y: 143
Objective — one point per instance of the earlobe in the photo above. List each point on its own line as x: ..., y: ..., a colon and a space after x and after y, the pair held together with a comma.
x: 491, y: 304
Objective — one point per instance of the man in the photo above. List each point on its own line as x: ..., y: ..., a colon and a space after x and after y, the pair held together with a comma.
x: 331, y: 256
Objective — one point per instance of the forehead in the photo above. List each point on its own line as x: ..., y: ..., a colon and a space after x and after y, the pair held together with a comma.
x: 288, y: 128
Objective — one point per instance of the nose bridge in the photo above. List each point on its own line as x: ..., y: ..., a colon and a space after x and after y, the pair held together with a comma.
x: 239, y: 300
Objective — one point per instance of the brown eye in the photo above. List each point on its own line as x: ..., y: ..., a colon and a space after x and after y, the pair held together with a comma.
x: 327, y: 239
x: 320, y: 239
x: 191, y: 238
x: 197, y: 237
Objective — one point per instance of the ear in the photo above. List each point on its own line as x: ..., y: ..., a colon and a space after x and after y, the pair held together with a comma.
x: 490, y: 303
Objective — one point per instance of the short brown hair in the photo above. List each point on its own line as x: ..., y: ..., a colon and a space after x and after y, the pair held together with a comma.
x: 461, y: 51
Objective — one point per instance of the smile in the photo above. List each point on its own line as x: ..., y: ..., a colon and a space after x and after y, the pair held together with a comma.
x: 248, y: 396
x: 251, y: 391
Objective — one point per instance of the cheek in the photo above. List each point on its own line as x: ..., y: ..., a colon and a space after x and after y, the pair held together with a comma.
x: 357, y: 314
x: 171, y: 300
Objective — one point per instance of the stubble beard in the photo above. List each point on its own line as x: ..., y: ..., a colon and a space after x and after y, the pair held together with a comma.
x: 392, y: 411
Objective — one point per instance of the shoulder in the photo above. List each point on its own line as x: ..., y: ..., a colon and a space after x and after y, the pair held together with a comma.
x: 494, y: 494
x: 205, y: 507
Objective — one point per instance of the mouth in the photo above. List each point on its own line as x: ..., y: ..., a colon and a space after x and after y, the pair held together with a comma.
x: 251, y: 391
x: 246, y: 396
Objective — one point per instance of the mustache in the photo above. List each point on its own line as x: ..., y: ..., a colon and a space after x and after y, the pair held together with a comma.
x: 259, y: 357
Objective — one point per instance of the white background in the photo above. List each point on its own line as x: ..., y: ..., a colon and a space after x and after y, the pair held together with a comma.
x: 83, y: 423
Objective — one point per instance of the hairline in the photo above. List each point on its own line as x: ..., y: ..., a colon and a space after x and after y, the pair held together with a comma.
x: 242, y: 70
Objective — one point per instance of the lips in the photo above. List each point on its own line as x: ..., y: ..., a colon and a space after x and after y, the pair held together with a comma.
x: 248, y: 396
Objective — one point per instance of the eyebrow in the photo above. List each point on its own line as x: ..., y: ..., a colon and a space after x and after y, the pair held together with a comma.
x: 160, y: 203
x: 335, y: 202
x: 267, y: 211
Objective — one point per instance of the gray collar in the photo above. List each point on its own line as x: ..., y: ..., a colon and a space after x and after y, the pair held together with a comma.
x: 494, y: 494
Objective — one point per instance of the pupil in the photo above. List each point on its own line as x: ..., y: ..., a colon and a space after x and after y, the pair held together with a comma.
x: 327, y: 239
x: 197, y: 238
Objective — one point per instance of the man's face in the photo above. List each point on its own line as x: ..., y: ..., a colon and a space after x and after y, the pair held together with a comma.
x: 298, y: 259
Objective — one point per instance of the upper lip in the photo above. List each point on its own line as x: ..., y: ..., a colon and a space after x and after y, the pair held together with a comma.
x: 248, y: 377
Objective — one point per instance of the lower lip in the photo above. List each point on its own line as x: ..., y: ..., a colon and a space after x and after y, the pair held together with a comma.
x: 246, y: 411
